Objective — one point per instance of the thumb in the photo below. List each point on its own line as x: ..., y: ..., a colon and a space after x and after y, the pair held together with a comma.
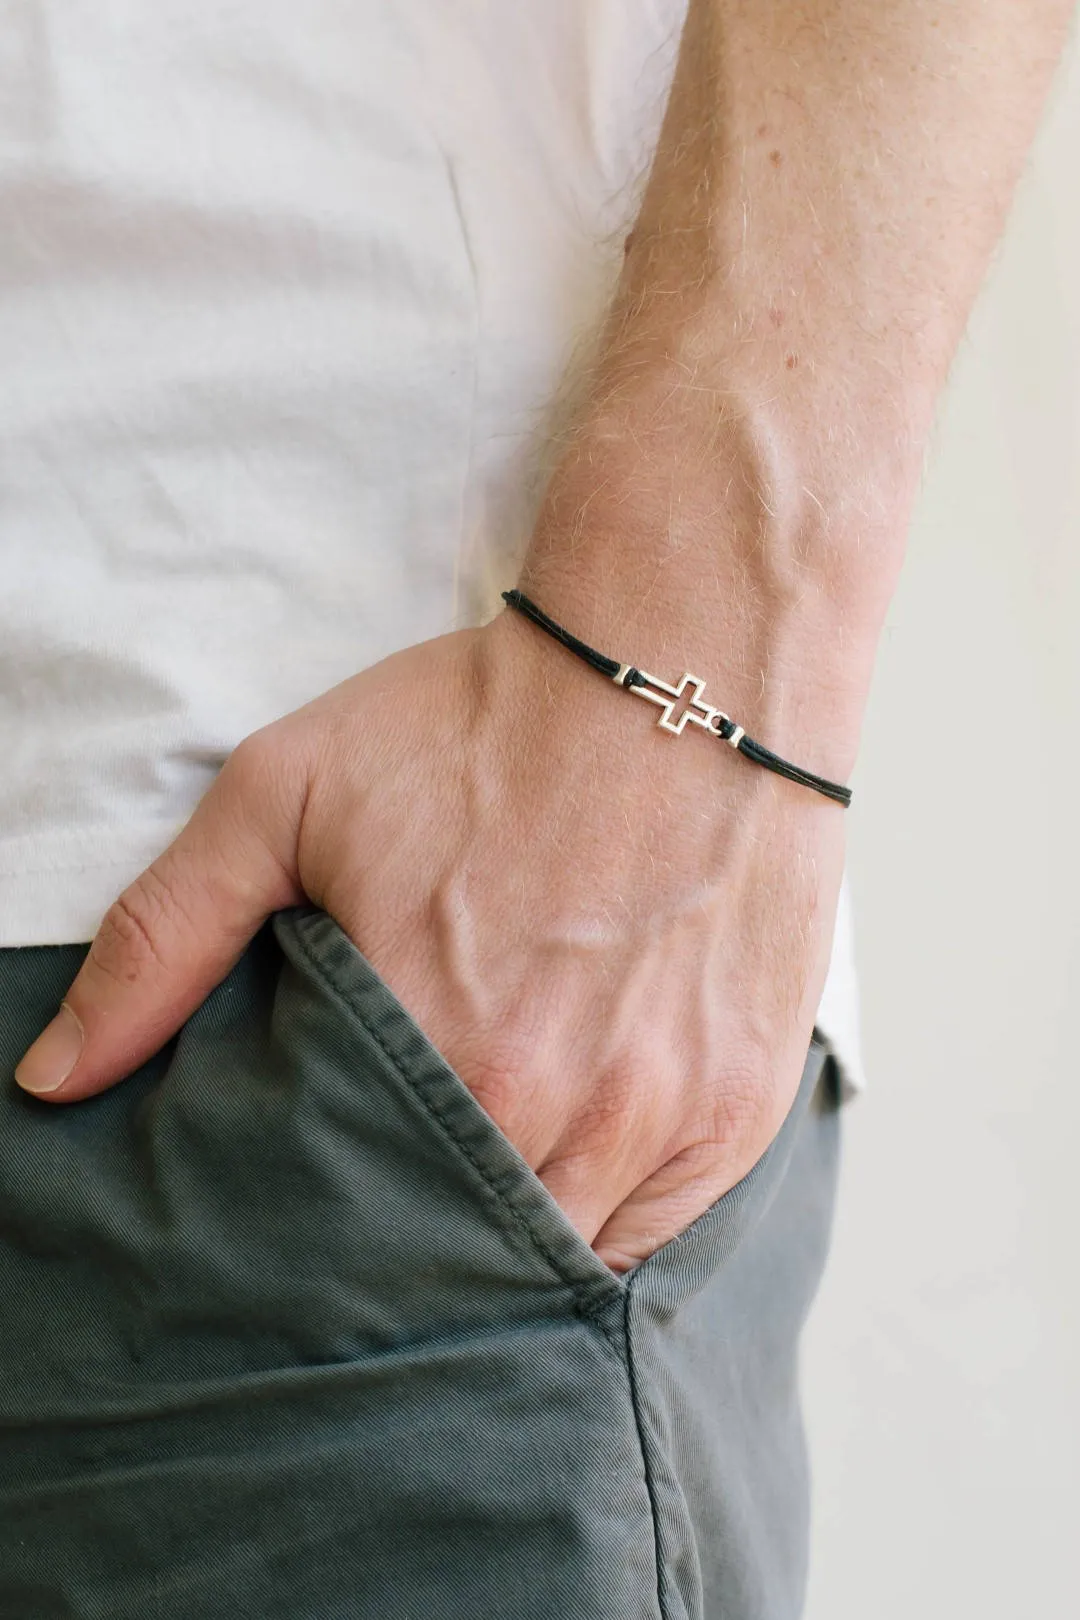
x: 176, y: 930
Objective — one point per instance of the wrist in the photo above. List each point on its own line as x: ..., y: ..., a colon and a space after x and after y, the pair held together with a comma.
x: 725, y: 567
x: 576, y: 697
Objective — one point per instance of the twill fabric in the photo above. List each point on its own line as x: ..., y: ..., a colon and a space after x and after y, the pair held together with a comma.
x: 289, y: 1331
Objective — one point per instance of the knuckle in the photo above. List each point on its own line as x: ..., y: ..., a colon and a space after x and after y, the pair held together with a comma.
x: 627, y: 1091
x: 255, y: 754
x: 505, y: 1078
x: 265, y: 781
x: 740, y: 1109
x: 127, y: 942
x: 253, y: 771
x: 748, y: 1088
x: 614, y: 1119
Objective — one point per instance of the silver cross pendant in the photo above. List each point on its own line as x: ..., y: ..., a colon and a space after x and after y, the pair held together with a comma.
x: 694, y: 710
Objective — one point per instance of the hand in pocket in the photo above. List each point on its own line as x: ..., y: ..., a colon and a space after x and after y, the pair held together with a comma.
x: 617, y: 941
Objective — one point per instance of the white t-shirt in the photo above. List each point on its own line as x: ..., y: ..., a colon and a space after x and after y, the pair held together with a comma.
x: 286, y: 296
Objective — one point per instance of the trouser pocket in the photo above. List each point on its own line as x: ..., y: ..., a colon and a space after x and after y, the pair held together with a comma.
x: 287, y: 1330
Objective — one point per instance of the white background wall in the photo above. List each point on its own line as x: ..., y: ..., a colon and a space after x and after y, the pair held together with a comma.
x: 942, y: 1368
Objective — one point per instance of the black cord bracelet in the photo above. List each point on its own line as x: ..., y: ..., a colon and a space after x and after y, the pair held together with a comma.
x: 695, y: 710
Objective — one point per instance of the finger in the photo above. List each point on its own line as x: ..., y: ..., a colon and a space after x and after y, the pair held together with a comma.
x: 663, y: 1206
x: 176, y: 930
x: 590, y: 1187
x: 602, y: 1156
x: 578, y: 1201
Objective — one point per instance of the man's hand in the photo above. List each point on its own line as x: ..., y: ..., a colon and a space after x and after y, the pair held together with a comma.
x: 616, y: 937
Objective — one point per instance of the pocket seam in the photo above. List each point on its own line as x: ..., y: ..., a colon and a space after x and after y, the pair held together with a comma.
x: 590, y: 1302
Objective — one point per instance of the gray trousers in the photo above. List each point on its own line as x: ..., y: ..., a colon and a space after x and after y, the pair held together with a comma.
x: 288, y: 1331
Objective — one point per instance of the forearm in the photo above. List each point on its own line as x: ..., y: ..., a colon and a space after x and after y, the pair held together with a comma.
x: 829, y: 185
